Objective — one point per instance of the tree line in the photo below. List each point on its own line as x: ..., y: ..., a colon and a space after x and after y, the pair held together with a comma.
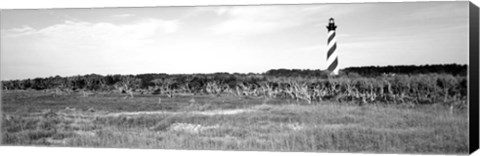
x: 307, y: 85
x: 453, y: 69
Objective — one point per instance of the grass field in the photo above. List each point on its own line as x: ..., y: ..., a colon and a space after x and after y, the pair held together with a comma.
x: 229, y: 123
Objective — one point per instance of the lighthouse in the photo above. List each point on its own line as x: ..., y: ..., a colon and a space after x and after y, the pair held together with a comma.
x: 332, y: 55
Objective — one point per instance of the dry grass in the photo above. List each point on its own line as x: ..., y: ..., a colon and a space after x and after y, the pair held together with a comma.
x: 231, y: 123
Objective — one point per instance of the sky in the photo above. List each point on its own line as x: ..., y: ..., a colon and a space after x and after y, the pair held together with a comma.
x: 208, y: 39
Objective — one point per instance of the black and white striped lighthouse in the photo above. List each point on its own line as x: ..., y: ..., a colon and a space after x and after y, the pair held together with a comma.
x: 332, y: 55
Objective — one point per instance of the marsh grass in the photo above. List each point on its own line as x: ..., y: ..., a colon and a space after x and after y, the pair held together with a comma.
x: 324, y: 127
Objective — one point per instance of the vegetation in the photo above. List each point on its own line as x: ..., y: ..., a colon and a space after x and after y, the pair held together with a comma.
x: 452, y: 69
x: 311, y: 86
x: 370, y: 109
x: 229, y: 123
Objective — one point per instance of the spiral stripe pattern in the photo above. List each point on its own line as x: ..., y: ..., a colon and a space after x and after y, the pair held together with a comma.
x: 332, y: 56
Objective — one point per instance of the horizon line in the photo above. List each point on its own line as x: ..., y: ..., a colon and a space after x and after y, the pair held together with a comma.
x: 65, y: 76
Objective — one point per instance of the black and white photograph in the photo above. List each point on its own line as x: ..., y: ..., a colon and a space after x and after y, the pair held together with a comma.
x: 376, y: 77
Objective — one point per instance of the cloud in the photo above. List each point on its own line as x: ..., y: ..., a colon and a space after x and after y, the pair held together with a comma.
x: 89, y: 36
x: 123, y: 15
x: 254, y: 20
x: 311, y: 48
x: 102, y: 30
x: 455, y: 10
x: 21, y: 31
x: 82, y: 47
x: 221, y: 10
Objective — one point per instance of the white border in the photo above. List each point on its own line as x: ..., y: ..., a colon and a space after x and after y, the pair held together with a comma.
x: 42, y: 4
x: 63, y: 151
